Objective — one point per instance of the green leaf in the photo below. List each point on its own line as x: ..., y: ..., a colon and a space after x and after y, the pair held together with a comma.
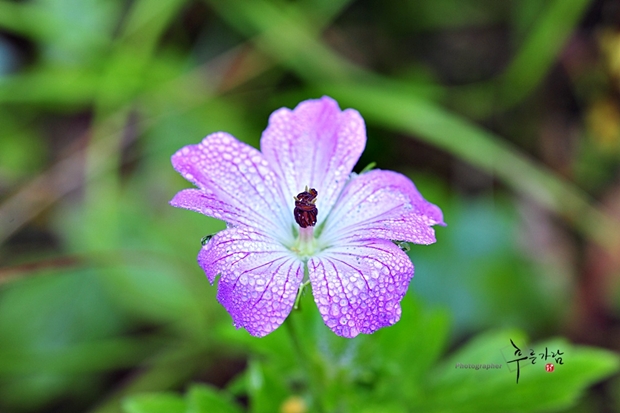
x: 421, y: 334
x: 155, y: 403
x: 453, y: 389
x: 541, y: 48
x: 266, y: 388
x: 206, y: 399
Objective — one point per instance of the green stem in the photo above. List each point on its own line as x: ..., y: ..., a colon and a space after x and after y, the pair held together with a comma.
x: 300, y: 292
x: 305, y: 360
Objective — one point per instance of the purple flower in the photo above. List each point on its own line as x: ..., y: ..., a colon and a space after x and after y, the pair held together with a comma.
x: 295, y: 211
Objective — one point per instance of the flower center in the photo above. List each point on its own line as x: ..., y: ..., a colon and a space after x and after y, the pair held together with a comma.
x: 305, y: 213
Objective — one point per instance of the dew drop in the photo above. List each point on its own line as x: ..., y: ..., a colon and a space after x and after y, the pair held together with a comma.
x: 334, y: 310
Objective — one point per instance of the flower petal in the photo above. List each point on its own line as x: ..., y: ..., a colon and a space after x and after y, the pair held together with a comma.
x: 237, y: 184
x: 208, y: 204
x: 382, y: 204
x: 316, y: 144
x: 259, y: 278
x: 358, y: 286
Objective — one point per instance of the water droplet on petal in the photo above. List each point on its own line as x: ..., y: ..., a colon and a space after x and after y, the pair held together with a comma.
x: 334, y: 310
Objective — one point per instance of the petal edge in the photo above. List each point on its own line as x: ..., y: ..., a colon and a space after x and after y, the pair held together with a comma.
x: 315, y: 144
x: 258, y: 281
x: 358, y: 286
x: 237, y: 176
x: 382, y: 204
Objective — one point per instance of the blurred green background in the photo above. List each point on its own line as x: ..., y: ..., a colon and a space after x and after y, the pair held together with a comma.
x: 506, y: 114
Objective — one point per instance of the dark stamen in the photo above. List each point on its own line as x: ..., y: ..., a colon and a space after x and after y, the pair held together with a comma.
x: 305, y: 211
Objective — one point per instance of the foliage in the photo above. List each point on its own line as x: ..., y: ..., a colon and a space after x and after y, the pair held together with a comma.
x: 400, y: 370
x: 102, y: 306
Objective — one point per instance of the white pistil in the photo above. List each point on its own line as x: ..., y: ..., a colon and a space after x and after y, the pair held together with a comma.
x: 306, y: 244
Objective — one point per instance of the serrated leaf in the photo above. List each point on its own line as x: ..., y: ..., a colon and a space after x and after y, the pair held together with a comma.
x: 454, y: 389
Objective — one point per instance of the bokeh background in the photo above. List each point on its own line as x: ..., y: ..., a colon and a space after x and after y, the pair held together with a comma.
x: 506, y: 114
